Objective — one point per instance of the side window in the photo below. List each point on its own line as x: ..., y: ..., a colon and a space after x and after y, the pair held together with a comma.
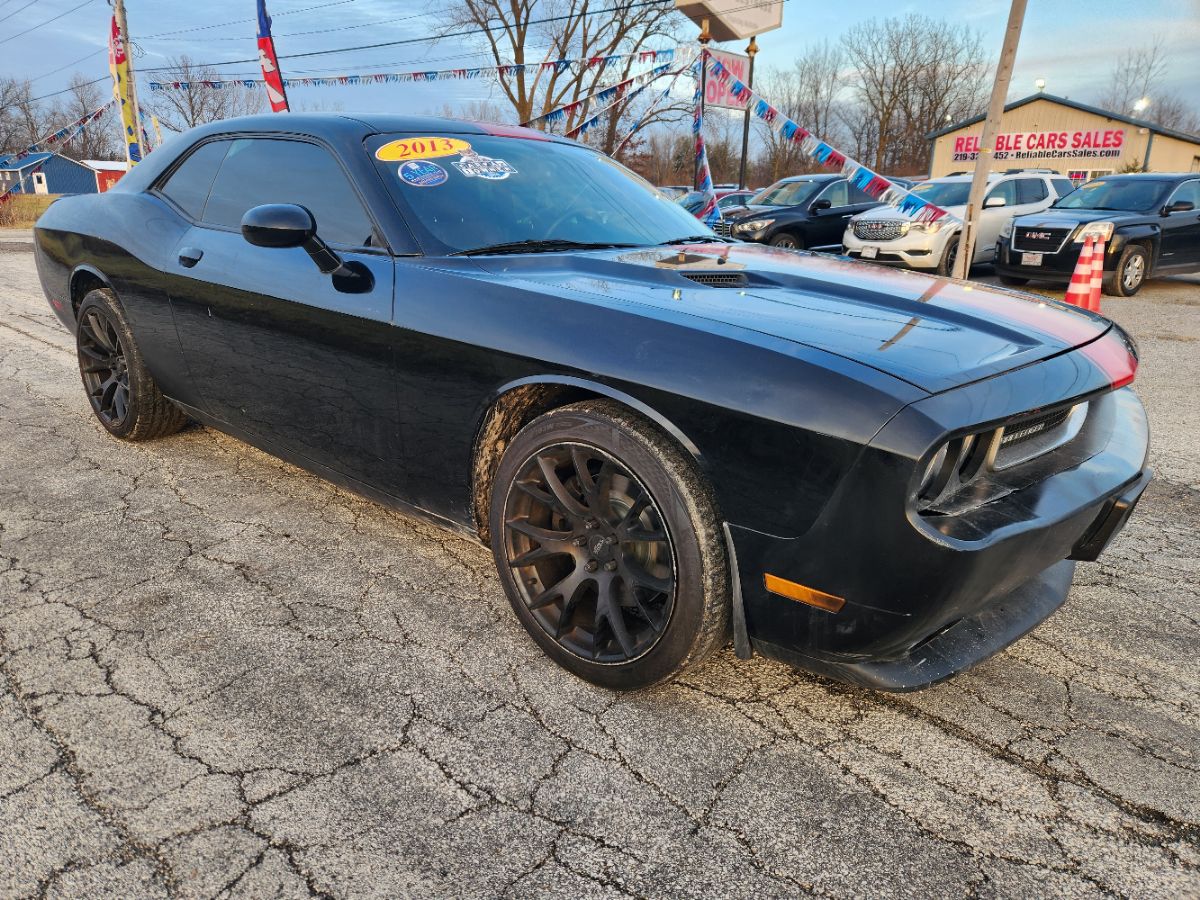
x: 1190, y: 191
x: 858, y: 196
x: 1062, y: 186
x: 1031, y: 190
x: 1005, y: 189
x: 266, y: 170
x: 836, y: 194
x: 189, y: 185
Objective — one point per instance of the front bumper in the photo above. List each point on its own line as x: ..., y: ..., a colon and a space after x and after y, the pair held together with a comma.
x: 928, y: 596
x: 1055, y: 267
x: 915, y: 250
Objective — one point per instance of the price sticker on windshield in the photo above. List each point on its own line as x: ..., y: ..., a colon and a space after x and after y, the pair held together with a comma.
x: 421, y: 148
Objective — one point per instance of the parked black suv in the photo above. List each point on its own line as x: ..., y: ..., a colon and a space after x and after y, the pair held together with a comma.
x: 1156, y: 231
x: 805, y: 212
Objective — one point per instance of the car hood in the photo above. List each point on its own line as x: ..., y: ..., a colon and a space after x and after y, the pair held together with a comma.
x: 935, y: 333
x: 1069, y: 218
x: 739, y: 212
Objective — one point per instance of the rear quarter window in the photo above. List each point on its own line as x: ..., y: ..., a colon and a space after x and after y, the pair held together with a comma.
x: 189, y: 185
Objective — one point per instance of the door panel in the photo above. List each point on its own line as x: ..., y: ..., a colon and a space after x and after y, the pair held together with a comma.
x: 1181, y: 230
x: 274, y: 348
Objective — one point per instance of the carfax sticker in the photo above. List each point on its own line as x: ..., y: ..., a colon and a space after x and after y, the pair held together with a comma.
x: 422, y: 173
x: 421, y: 148
x: 473, y: 165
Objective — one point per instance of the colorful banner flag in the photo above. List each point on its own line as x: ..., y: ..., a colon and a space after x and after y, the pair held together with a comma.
x: 122, y: 73
x: 710, y: 213
x: 272, y: 79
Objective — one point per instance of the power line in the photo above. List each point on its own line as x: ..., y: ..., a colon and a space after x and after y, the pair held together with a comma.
x: 13, y: 37
x: 370, y: 24
x: 18, y: 9
x: 290, y: 12
x: 87, y: 55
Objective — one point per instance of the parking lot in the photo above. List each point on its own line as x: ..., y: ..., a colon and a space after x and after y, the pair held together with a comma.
x: 221, y: 676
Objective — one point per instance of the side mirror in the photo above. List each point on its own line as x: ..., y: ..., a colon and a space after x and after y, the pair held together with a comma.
x: 1179, y: 206
x: 818, y: 205
x: 994, y: 201
x: 288, y: 225
x: 278, y: 225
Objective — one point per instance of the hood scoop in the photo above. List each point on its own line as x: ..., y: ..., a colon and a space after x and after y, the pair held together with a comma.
x: 718, y: 279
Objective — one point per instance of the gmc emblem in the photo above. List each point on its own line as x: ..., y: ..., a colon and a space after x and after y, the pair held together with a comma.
x: 1038, y: 235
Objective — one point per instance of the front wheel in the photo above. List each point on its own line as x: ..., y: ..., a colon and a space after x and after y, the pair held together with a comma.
x: 120, y: 389
x: 945, y: 266
x: 1129, y: 275
x: 786, y: 241
x: 609, y: 546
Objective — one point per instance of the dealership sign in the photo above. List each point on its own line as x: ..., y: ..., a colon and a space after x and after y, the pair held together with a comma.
x: 1099, y: 144
x: 716, y: 90
x: 733, y: 20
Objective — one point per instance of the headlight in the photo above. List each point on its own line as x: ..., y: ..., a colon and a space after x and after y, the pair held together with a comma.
x: 1006, y: 229
x: 755, y: 225
x: 1102, y: 230
x: 927, y: 227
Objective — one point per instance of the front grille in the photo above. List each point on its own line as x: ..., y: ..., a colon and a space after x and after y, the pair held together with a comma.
x: 717, y: 279
x: 1040, y: 240
x: 723, y: 228
x: 878, y: 229
x: 1024, y: 431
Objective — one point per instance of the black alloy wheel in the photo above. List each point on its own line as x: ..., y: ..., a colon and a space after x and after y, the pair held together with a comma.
x: 123, y: 394
x: 609, y: 546
x: 591, y: 552
x: 104, y: 366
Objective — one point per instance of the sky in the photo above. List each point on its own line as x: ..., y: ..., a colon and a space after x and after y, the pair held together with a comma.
x: 1072, y: 44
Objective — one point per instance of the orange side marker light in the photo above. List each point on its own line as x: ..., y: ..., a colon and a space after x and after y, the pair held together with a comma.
x: 811, y: 596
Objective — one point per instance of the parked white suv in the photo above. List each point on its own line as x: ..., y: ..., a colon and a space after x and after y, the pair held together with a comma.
x: 886, y: 235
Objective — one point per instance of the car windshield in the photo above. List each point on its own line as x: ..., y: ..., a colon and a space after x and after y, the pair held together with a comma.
x: 1134, y: 194
x: 943, y: 193
x: 471, y: 191
x: 787, y: 193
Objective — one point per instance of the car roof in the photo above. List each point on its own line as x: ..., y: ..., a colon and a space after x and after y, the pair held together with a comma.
x: 1151, y: 176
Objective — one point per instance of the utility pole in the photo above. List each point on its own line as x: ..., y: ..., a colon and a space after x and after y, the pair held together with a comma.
x: 751, y: 51
x: 130, y: 87
x: 991, y: 125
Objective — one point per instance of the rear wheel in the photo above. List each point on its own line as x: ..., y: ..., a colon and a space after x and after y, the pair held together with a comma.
x: 1129, y: 275
x: 120, y: 389
x: 609, y: 546
x: 786, y: 241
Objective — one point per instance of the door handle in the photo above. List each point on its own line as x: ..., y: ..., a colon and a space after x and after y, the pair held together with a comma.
x: 189, y: 256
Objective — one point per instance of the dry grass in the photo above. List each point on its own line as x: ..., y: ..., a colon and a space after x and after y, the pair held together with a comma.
x: 22, y: 210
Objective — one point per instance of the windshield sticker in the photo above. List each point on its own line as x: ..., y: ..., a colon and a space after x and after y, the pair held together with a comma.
x: 473, y: 165
x: 421, y: 148
x: 422, y: 173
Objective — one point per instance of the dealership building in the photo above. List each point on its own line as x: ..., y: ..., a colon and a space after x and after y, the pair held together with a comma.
x: 1076, y: 140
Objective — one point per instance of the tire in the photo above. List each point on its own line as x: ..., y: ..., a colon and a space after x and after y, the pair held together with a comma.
x: 945, y: 266
x: 123, y: 395
x: 786, y: 241
x: 1013, y: 281
x: 644, y: 526
x: 1129, y: 275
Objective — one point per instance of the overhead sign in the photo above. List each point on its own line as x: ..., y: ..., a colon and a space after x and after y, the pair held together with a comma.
x: 1108, y: 143
x: 733, y: 20
x: 716, y: 90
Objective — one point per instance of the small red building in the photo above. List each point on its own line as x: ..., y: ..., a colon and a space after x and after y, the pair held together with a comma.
x: 108, y: 171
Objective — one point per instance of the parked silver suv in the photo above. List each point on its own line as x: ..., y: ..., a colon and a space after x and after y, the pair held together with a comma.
x: 886, y: 235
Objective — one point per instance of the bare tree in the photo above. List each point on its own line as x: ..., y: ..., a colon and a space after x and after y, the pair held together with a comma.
x: 909, y: 74
x: 1138, y: 75
x: 808, y: 93
x: 100, y: 139
x: 182, y: 109
x: 511, y: 32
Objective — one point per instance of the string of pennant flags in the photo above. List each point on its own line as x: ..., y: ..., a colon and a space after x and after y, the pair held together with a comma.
x: 584, y: 105
x: 866, y: 180
x: 598, y: 63
x: 588, y: 124
x: 58, y: 138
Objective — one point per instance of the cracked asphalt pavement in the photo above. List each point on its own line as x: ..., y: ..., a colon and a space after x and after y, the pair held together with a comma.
x: 222, y: 677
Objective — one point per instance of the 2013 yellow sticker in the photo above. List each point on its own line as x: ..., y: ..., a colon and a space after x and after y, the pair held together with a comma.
x: 421, y: 148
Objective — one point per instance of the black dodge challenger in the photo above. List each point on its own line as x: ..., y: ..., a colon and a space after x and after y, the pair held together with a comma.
x: 668, y: 439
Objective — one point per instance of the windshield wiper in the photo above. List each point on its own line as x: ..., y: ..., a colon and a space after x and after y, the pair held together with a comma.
x: 543, y: 245
x: 696, y: 239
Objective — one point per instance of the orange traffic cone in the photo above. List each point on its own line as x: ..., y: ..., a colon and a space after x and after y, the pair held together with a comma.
x: 1097, y: 281
x: 1079, y: 291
